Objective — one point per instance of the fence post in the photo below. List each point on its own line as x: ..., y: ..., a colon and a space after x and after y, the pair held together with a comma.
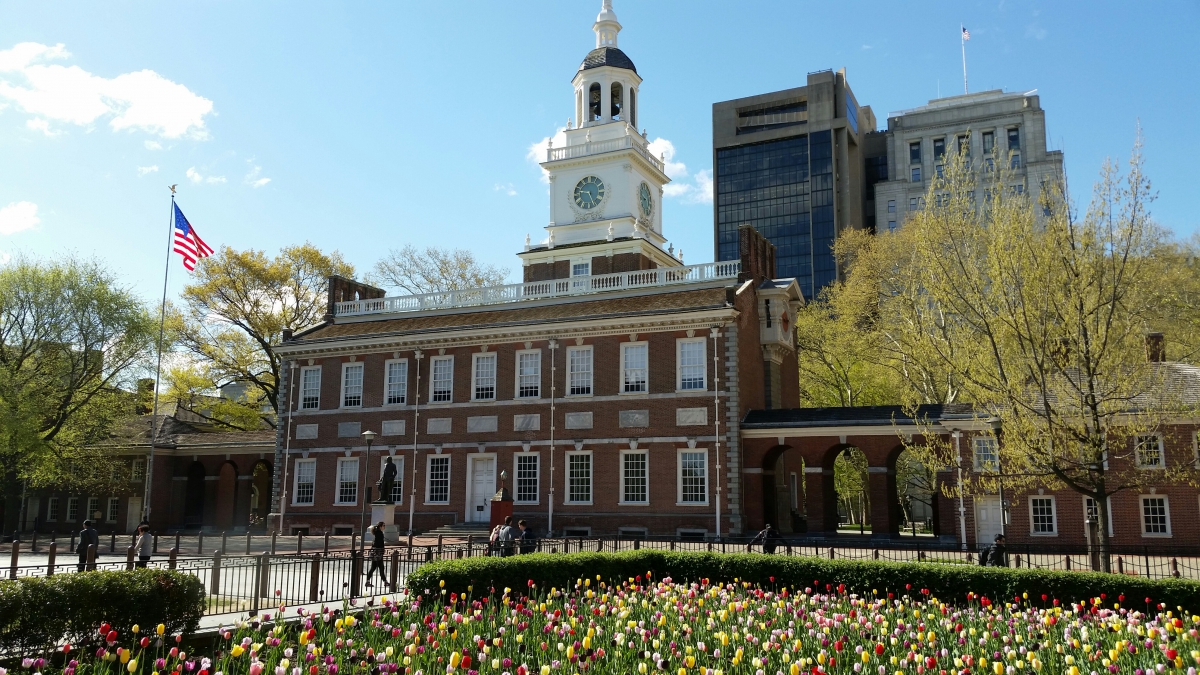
x: 354, y: 541
x: 129, y: 559
x: 831, y: 553
x: 274, y: 534
x: 637, y: 544
x: 53, y: 553
x: 16, y: 553
x: 91, y: 558
x: 410, y: 544
x: 1175, y: 567
x: 1146, y: 557
x: 200, y: 543
x: 875, y: 555
x: 262, y: 570
x: 1120, y: 565
x: 439, y: 547
x: 173, y: 558
x: 214, y: 582
x: 470, y: 545
x: 672, y: 544
x: 355, y: 573
x: 325, y: 548
x: 394, y: 573
x: 299, y: 543
x: 428, y: 554
x: 314, y: 579
x: 1068, y: 563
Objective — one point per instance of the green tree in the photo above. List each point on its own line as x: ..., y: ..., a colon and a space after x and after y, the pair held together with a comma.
x: 434, y: 269
x: 850, y: 481
x: 72, y: 342
x: 232, y: 316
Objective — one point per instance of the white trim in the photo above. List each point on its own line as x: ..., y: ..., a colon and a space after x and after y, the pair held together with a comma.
x: 976, y: 441
x: 429, y: 477
x: 537, y: 477
x: 625, y: 346
x: 679, y: 342
x: 52, y: 510
x: 296, y: 481
x: 433, y: 361
x: 1053, y: 515
x: 679, y: 476
x: 362, y: 371
x: 621, y: 471
x: 475, y: 359
x: 1110, y: 514
x: 472, y: 498
x: 398, y: 460
x: 591, y: 478
x: 1162, y: 454
x: 591, y: 372
x: 337, y: 481
x: 517, y: 374
x: 1142, y: 515
x: 303, y: 371
x: 111, y: 514
x: 403, y: 381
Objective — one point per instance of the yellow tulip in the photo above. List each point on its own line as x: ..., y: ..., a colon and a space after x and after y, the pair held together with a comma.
x: 455, y: 659
x: 132, y: 666
x: 161, y: 629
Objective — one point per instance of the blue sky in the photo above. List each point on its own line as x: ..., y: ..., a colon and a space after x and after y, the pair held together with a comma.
x: 365, y: 126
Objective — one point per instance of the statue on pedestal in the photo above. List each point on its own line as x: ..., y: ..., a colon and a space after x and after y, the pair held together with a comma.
x: 386, y: 481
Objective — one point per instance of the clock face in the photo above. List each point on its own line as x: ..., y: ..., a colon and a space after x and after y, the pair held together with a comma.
x: 589, y: 192
x: 645, y: 199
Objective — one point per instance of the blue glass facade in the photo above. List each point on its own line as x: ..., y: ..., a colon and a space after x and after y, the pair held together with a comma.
x: 784, y: 189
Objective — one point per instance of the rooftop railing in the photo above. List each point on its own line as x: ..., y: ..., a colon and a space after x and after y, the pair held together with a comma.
x: 537, y: 290
x: 631, y: 141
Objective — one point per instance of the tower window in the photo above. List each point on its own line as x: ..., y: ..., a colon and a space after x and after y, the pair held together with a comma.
x: 617, y: 102
x: 594, y: 101
x: 633, y: 108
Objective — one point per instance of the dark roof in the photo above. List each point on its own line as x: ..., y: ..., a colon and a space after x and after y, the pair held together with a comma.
x: 866, y: 416
x: 174, y: 432
x: 607, y: 56
x: 546, y: 247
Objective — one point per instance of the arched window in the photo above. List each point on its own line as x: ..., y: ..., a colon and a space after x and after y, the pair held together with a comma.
x: 594, y: 110
x: 617, y: 102
x: 633, y: 107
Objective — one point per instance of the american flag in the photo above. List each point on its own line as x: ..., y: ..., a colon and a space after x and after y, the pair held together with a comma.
x: 966, y: 34
x: 187, y: 243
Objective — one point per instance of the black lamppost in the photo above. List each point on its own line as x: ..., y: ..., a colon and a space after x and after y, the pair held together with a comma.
x: 368, y: 436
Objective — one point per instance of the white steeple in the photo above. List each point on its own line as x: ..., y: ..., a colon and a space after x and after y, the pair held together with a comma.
x: 606, y: 26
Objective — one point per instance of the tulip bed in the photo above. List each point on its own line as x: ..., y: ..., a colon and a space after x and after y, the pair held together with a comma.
x: 642, y: 625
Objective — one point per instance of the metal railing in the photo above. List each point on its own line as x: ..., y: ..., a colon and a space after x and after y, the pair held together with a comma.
x: 627, y: 142
x: 537, y: 290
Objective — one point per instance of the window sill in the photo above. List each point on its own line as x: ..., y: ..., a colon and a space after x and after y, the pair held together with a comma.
x: 537, y: 503
x: 692, y: 391
x: 300, y: 504
x: 394, y: 406
x: 579, y: 396
x: 1156, y: 535
x: 645, y: 503
x: 345, y: 503
x: 1152, y: 468
x: 577, y: 503
x: 481, y: 400
x: 350, y: 407
x: 437, y: 503
x: 1043, y: 534
x: 634, y: 394
x: 527, y: 398
x: 691, y: 503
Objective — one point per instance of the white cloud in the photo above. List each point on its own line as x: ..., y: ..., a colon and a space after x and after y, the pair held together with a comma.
x: 537, y: 150
x: 42, y: 125
x: 506, y: 188
x: 696, y: 191
x: 703, y: 194
x: 143, y: 170
x: 665, y: 150
x: 197, y: 178
x: 152, y: 145
x: 18, y: 217
x: 4, y: 258
x: 254, y: 178
x: 1035, y: 31
x: 142, y: 100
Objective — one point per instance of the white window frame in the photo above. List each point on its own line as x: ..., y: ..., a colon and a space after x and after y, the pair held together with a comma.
x: 537, y: 479
x: 72, y: 509
x: 1053, y: 516
x: 52, y: 510
x: 579, y: 281
x: 316, y: 404
x: 679, y: 344
x: 679, y: 476
x: 346, y: 368
x: 621, y: 496
x: 387, y: 381
x: 398, y: 486
x: 429, y: 459
x: 93, y: 505
x: 625, y: 347
x: 112, y: 511
x: 1137, y: 454
x: 517, y: 373
x: 475, y: 375
x: 591, y: 370
x: 1110, y: 514
x: 591, y: 478
x: 433, y: 361
x: 1142, y: 515
x: 137, y: 470
x: 337, y: 481
x: 296, y: 482
x: 975, y: 461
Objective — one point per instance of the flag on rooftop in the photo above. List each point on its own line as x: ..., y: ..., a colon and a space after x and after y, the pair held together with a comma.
x: 187, y: 243
x: 966, y: 34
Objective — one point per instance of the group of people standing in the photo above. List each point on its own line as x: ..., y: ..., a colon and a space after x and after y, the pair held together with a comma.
x: 506, y: 540
x: 143, y: 546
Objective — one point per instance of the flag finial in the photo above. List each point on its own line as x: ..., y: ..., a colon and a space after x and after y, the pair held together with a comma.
x: 172, y: 187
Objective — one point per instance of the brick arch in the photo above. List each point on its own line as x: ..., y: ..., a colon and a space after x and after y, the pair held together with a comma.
x: 776, y: 492
x: 227, y: 492
x: 893, y: 491
x: 193, y: 503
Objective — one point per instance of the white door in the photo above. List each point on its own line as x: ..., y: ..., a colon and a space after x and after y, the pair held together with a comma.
x: 133, y: 515
x: 988, y: 520
x: 32, y: 506
x: 483, y: 486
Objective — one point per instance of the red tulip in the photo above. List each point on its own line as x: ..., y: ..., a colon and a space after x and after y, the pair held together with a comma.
x: 879, y: 648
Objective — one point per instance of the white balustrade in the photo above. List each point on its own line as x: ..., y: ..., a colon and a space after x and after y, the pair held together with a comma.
x: 536, y: 290
x: 630, y: 142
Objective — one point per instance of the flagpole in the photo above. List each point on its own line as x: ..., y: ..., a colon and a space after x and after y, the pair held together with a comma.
x: 162, y: 323
x: 963, y: 41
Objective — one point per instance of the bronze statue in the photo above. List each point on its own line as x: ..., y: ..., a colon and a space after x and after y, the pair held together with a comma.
x: 386, y: 482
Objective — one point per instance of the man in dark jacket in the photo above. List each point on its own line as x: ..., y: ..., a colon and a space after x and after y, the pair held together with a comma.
x: 995, y: 555
x: 87, y: 537
x: 377, y: 550
x: 769, y: 538
x: 527, y: 538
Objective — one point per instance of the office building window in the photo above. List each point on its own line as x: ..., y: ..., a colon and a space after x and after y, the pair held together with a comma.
x: 52, y: 510
x: 964, y: 145
x: 352, y: 385
x: 1148, y: 451
x: 914, y: 152
x: 527, y: 478
x: 1042, y: 518
x: 891, y: 226
x: 691, y: 364
x: 72, y: 509
x: 891, y: 206
x: 939, y: 149
x: 987, y: 457
x: 1014, y: 139
x: 916, y: 174
x: 310, y: 388
x: 396, y: 382
x: 437, y: 485
x: 441, y: 385
x: 989, y: 142
x: 484, y: 366
x: 579, y: 371
x: 1156, y: 516
x: 114, y: 508
x: 634, y: 477
x: 634, y: 367
x: 579, y: 477
x: 306, y: 482
x: 1015, y: 161
x: 529, y: 374
x: 1018, y: 189
x: 347, y: 480
x: 693, y: 477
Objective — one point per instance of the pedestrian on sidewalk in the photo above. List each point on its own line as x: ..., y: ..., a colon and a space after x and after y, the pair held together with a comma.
x: 377, y: 548
x: 144, y: 545
x: 88, y: 536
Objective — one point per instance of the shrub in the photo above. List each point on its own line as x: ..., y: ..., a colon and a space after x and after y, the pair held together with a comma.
x: 38, y: 612
x: 949, y: 582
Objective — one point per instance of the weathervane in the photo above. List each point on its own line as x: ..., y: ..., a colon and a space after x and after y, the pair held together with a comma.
x: 172, y: 188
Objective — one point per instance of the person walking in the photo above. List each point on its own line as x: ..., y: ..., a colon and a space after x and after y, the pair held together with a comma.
x: 88, y: 536
x: 144, y: 545
x: 527, y: 538
x: 377, y: 548
x: 506, y: 538
x: 995, y: 555
x: 769, y: 538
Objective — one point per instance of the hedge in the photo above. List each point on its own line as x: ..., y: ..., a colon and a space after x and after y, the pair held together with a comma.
x: 39, y: 612
x: 947, y: 582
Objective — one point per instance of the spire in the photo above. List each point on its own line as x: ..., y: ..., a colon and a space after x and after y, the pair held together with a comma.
x: 606, y: 26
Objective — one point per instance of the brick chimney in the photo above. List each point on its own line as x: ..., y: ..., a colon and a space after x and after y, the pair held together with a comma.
x: 757, y: 254
x: 1156, y: 348
x: 342, y: 289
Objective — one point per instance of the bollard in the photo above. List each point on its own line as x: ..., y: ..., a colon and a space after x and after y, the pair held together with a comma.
x: 224, y: 539
x: 200, y: 544
x: 428, y: 553
x: 875, y: 555
x: 52, y: 554
x: 565, y: 544
x: 1175, y: 568
x: 299, y: 542
x: 263, y: 580
x: 176, y: 541
x: 354, y: 541
x: 1120, y: 565
x: 831, y: 553
x: 410, y: 536
x: 90, y: 565
x: 112, y: 542
x: 637, y: 544
x: 214, y: 581
x: 172, y: 560
x: 273, y: 535
x: 16, y: 553
x: 155, y: 545
x: 470, y: 545
x: 325, y: 547
x: 439, y: 547
x: 394, y: 573
x: 247, y: 542
x: 129, y: 559
x: 1068, y: 562
x: 314, y: 579
x: 355, y: 573
x: 33, y: 542
x: 72, y: 541
x: 921, y: 558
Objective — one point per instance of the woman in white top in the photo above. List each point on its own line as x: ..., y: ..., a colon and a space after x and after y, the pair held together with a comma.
x: 144, y: 545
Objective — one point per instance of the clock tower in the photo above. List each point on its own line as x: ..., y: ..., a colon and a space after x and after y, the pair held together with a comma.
x: 606, y: 186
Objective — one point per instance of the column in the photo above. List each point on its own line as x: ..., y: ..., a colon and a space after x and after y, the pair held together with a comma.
x: 821, y: 501
x: 885, y: 502
x: 605, y: 101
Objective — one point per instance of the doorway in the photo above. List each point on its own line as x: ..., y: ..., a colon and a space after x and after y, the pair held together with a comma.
x: 482, y: 486
x: 133, y: 514
x: 989, y: 520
